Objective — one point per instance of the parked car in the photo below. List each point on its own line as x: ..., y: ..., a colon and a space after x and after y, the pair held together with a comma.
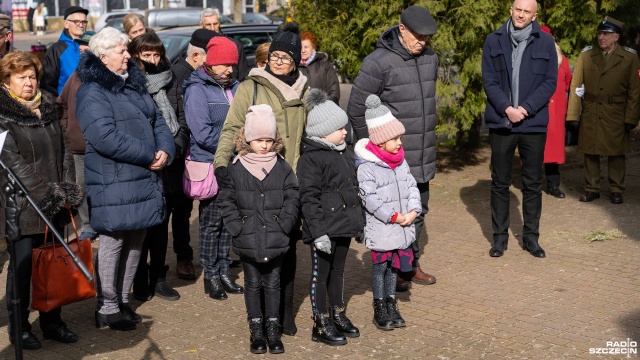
x: 158, y: 19
x: 113, y: 19
x: 257, y: 18
x: 250, y: 35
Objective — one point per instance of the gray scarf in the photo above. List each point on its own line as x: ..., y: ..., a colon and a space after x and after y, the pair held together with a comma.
x: 332, y: 146
x: 518, y: 44
x: 155, y: 85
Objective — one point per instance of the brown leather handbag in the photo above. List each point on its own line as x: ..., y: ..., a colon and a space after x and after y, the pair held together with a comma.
x: 55, y: 279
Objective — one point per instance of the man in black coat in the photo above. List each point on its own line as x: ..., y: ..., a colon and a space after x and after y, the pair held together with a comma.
x: 402, y: 71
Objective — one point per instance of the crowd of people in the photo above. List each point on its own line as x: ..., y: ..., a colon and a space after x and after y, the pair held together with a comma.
x: 125, y: 137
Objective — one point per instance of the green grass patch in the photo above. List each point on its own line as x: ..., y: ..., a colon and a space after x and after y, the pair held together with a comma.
x: 604, y: 235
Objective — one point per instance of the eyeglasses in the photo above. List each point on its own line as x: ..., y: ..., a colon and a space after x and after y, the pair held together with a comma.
x: 285, y: 59
x: 79, y: 22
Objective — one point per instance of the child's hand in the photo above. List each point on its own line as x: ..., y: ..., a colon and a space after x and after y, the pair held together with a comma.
x: 408, y: 218
x: 400, y: 218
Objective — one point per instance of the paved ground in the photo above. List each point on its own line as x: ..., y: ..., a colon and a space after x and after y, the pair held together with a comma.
x: 583, y: 295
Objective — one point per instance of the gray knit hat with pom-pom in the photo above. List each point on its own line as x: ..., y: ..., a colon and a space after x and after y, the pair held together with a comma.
x: 323, y: 115
x: 382, y: 125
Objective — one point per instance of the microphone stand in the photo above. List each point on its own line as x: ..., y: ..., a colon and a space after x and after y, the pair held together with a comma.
x: 13, y: 188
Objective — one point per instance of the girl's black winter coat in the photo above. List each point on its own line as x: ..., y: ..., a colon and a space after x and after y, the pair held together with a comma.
x: 328, y: 192
x: 260, y: 214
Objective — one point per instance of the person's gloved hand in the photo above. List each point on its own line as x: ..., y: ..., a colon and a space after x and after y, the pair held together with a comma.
x: 580, y: 91
x: 573, y: 125
x: 323, y: 244
x: 628, y: 127
x: 222, y: 176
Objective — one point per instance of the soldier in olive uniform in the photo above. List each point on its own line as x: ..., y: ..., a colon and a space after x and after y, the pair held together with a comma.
x: 605, y: 98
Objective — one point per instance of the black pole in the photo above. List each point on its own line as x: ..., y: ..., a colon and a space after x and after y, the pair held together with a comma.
x: 12, y: 232
x: 15, y: 181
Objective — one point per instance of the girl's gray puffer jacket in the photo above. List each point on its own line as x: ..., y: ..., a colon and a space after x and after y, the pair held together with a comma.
x: 384, y: 192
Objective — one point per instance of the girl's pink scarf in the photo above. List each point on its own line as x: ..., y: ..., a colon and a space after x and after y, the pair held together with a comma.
x: 393, y: 160
x: 258, y: 165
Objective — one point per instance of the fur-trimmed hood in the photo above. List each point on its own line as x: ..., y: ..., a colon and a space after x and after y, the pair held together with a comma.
x: 14, y: 111
x: 92, y: 70
x: 363, y: 155
x: 243, y: 147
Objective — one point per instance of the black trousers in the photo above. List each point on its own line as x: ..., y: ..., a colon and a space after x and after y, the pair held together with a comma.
x: 419, y: 221
x: 24, y: 246
x: 327, y: 275
x: 262, y: 277
x: 531, y: 150
x: 552, y: 172
x: 288, y: 273
x: 179, y: 208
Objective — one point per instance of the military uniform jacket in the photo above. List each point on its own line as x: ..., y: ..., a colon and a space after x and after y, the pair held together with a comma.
x: 611, y: 99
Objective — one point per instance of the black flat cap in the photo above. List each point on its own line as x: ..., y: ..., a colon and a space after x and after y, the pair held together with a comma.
x: 610, y: 24
x: 200, y: 38
x: 419, y: 20
x: 74, y: 9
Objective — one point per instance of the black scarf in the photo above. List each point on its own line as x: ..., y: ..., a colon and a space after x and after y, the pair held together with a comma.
x: 289, y: 79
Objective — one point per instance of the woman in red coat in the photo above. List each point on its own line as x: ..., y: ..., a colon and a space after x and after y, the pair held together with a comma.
x: 554, y: 154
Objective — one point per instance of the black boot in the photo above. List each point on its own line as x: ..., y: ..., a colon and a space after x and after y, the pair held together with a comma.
x: 324, y: 331
x: 257, y: 342
x: 129, y: 314
x: 161, y: 288
x: 394, y: 312
x: 230, y: 286
x: 29, y: 340
x: 342, y: 323
x: 380, y: 315
x: 273, y: 336
x: 214, y: 288
x: 166, y: 292
x: 115, y: 321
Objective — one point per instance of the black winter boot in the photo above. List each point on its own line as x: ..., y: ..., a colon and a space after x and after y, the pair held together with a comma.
x: 273, y: 336
x: 214, y: 288
x: 258, y: 344
x: 162, y: 289
x: 380, y: 315
x: 342, y: 323
x: 324, y: 331
x: 394, y: 312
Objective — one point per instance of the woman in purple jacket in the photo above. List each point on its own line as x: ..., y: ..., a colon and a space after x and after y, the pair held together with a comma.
x: 207, y: 96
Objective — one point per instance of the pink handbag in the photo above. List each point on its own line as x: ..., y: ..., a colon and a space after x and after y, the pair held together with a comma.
x: 198, y: 180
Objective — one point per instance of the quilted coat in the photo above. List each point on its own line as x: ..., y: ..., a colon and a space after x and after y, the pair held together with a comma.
x: 260, y: 214
x: 124, y: 130
x: 328, y: 192
x: 384, y: 192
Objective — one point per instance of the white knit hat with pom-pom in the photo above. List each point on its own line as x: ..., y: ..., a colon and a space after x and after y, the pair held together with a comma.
x: 382, y: 125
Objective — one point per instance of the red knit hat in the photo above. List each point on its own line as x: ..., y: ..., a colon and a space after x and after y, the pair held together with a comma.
x: 221, y: 51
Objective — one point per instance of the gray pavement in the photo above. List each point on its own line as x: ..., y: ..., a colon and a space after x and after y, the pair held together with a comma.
x: 581, y: 296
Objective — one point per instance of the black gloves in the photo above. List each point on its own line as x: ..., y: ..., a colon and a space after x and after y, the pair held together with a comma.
x: 573, y: 125
x: 628, y: 127
x: 222, y: 176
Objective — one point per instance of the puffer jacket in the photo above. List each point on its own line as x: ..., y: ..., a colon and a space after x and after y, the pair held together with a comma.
x: 385, y: 192
x: 260, y: 214
x: 34, y: 149
x: 321, y: 75
x: 328, y: 192
x: 406, y: 84
x: 60, y: 61
x: 286, y: 102
x: 124, y: 130
x: 205, y: 121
